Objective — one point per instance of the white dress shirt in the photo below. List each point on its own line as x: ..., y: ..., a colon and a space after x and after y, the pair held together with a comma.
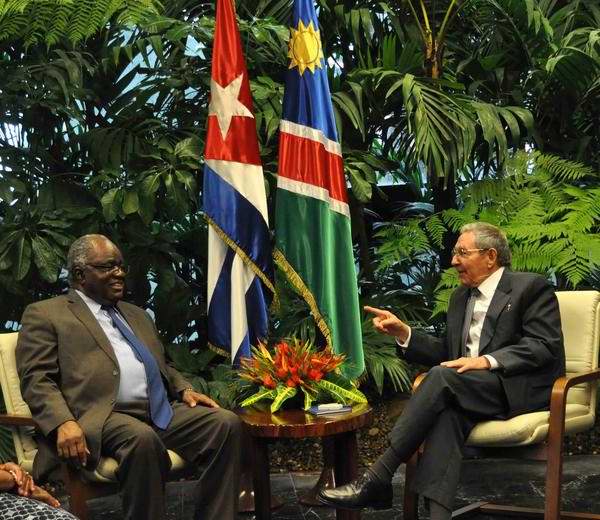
x: 487, y: 288
x: 131, y: 368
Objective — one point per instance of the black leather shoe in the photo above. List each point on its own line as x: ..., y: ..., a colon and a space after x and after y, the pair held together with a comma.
x: 365, y: 491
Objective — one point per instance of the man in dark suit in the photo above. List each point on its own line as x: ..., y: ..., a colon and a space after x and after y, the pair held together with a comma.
x: 501, y: 353
x: 94, y: 374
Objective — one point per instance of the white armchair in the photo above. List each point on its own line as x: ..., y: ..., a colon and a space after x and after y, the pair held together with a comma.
x: 539, y: 435
x: 81, y: 485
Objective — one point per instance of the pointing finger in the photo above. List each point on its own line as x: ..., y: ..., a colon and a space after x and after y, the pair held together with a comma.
x: 374, y: 310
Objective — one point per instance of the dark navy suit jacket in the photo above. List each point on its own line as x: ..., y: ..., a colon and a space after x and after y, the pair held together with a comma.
x: 522, y: 331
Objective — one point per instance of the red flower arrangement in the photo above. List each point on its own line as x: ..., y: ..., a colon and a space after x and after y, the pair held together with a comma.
x: 297, y: 365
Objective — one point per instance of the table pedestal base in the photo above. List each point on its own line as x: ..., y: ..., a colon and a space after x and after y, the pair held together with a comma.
x: 338, y: 431
x: 345, y: 470
x: 327, y: 478
x: 247, y: 500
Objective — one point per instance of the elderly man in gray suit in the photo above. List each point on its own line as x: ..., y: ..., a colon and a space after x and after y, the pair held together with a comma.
x: 94, y: 374
x: 500, y: 355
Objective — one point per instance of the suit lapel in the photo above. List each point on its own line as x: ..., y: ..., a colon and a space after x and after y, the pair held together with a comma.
x: 499, y: 301
x: 456, y: 316
x: 83, y: 313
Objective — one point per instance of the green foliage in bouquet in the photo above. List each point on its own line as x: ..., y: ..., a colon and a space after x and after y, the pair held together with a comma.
x: 297, y: 365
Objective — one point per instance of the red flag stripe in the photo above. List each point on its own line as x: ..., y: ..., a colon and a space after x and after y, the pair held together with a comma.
x: 307, y: 161
x: 307, y: 132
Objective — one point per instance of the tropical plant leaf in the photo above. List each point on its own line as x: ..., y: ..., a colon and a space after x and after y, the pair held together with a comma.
x: 340, y: 394
x: 282, y: 394
x: 263, y: 393
x: 309, y: 397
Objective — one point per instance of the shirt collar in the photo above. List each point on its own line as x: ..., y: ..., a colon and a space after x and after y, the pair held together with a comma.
x: 91, y: 303
x: 489, y: 285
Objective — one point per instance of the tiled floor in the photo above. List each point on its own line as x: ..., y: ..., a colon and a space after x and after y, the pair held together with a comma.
x: 519, y: 483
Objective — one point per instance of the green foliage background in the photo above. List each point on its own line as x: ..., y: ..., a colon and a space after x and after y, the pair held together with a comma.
x: 102, y: 114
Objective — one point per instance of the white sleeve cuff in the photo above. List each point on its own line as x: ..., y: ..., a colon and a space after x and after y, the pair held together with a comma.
x: 405, y: 343
x: 494, y: 365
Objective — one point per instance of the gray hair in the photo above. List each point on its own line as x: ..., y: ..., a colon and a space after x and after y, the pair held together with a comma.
x: 79, y: 252
x: 488, y: 236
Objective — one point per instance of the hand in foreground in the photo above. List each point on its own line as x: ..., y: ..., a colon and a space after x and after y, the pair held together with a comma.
x: 23, y: 480
x: 42, y: 495
x: 464, y: 364
x: 70, y: 443
x: 388, y: 323
x: 192, y: 398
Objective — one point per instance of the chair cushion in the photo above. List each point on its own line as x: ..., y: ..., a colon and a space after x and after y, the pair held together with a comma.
x: 580, y: 320
x: 25, y: 446
x: 105, y: 472
x: 529, y: 428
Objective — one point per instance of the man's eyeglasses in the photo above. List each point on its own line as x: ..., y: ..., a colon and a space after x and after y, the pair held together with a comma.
x: 462, y: 252
x: 110, y: 268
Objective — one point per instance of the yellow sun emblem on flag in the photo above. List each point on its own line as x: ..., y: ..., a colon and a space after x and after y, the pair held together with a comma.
x: 305, y: 48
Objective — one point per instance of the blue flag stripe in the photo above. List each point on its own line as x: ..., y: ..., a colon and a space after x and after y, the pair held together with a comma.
x: 219, y: 312
x: 239, y: 219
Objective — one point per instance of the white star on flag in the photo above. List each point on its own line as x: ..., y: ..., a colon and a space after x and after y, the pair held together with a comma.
x: 224, y: 103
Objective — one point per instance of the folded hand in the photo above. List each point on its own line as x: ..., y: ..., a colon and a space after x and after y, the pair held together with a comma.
x: 464, y: 364
x: 192, y: 398
x: 23, y: 480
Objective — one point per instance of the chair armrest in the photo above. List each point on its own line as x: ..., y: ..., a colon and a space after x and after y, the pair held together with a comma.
x: 558, y: 403
x: 562, y: 385
x: 16, y: 420
x: 418, y: 380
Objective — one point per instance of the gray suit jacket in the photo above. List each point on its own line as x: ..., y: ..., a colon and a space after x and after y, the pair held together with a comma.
x: 69, y: 371
x: 522, y: 331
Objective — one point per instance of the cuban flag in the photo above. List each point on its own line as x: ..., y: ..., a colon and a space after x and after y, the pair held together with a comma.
x: 240, y: 266
x: 312, y: 218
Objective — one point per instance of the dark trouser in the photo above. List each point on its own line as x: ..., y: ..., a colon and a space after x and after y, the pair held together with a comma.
x: 207, y: 437
x: 442, y: 413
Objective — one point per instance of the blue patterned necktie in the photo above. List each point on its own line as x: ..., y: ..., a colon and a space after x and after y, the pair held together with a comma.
x: 160, y: 409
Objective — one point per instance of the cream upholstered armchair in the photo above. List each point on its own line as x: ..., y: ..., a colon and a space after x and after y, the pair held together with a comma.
x: 81, y: 485
x: 539, y: 435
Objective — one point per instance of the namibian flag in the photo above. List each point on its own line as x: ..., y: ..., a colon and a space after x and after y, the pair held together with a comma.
x: 240, y: 265
x: 314, y: 243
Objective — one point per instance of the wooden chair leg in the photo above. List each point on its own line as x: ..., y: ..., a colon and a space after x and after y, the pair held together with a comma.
x: 556, y: 432
x: 552, y: 500
x: 411, y: 499
x: 78, y: 494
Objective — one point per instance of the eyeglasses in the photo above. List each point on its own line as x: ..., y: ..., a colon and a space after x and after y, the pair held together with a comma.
x: 110, y: 268
x: 462, y: 252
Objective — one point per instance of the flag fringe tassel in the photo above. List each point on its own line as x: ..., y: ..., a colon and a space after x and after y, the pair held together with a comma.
x: 246, y: 259
x: 218, y: 350
x: 296, y: 280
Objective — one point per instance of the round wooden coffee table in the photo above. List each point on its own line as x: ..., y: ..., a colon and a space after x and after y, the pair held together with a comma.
x: 263, y: 426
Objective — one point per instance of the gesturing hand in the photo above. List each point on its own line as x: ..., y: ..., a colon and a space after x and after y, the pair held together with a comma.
x: 192, y: 398
x: 70, y: 443
x: 388, y: 323
x: 464, y: 364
